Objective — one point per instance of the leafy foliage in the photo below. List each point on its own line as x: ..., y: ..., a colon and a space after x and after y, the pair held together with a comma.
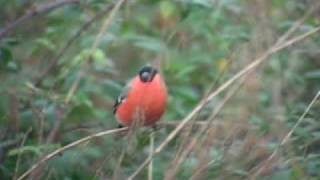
x: 56, y: 88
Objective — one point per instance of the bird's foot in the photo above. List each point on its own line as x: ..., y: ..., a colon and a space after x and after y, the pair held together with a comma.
x: 155, y: 127
x: 120, y: 126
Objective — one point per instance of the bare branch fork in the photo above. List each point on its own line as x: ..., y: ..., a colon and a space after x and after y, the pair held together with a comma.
x: 34, y: 11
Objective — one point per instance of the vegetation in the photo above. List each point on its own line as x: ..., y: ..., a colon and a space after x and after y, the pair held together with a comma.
x: 64, y: 62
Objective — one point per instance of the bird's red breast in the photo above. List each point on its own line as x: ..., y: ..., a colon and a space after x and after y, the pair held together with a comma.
x: 145, y: 101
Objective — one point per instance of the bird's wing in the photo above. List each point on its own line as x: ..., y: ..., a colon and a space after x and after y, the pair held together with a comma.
x: 122, y: 97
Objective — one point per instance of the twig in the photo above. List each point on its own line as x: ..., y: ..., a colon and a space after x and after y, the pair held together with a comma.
x: 275, y: 48
x: 14, y: 113
x: 246, y: 70
x: 56, y: 128
x: 34, y: 11
x: 64, y: 148
x: 38, y: 116
x: 74, y: 87
x: 286, y: 138
x: 54, y: 132
x: 298, y: 23
x: 193, y: 141
x: 211, y: 119
x: 107, y: 23
x: 130, y: 139
x: 117, y: 168
x: 11, y: 142
x: 95, y: 44
x: 54, y: 61
x: 197, y: 124
x: 19, y: 154
x: 99, y: 170
x: 285, y: 36
x: 199, y: 170
x: 150, y: 167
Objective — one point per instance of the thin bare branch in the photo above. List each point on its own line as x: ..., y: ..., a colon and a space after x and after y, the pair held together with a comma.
x: 19, y: 154
x: 64, y: 148
x: 286, y: 138
x: 211, y: 119
x: 85, y: 26
x: 95, y: 44
x: 34, y: 11
x: 150, y: 167
x: 298, y: 23
x: 107, y: 23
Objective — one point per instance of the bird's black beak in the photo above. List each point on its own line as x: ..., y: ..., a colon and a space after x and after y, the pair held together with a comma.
x: 147, y: 73
x: 145, y: 76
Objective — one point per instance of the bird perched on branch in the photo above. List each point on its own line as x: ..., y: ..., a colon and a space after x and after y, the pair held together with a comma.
x: 144, y: 99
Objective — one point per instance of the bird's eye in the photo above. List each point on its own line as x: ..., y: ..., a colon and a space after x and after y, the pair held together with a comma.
x: 145, y: 76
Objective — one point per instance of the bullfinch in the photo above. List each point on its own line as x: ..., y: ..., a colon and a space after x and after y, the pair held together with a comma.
x: 143, y: 100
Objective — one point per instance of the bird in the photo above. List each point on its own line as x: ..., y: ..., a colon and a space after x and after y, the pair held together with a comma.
x: 143, y: 100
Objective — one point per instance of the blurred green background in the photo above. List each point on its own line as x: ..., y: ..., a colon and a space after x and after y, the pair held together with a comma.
x: 57, y: 86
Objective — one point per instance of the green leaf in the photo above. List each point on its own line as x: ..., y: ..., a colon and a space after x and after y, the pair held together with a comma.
x: 5, y: 57
x: 167, y: 8
x: 47, y: 43
x: 80, y: 113
x: 281, y: 175
x: 148, y: 43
